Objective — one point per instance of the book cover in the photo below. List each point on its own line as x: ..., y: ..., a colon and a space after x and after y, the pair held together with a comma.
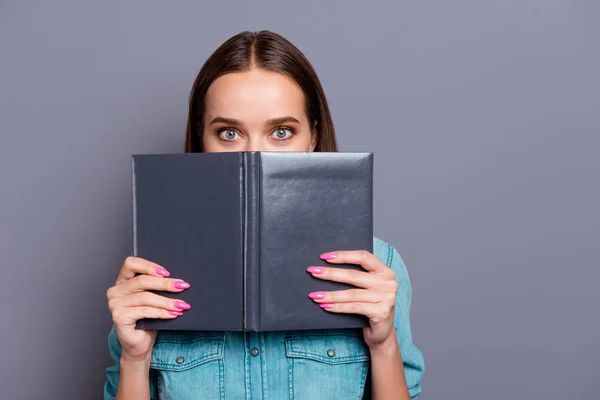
x: 242, y: 227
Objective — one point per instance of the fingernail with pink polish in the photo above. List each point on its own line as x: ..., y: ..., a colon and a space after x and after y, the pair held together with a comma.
x: 181, y: 285
x: 182, y: 305
x: 316, y: 295
x: 315, y: 270
x: 177, y: 313
x: 162, y: 272
x: 326, y: 305
x: 327, y: 256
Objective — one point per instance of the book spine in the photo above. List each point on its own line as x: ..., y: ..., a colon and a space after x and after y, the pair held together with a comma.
x: 251, y: 162
x: 371, y: 164
x: 140, y: 324
x: 134, y: 207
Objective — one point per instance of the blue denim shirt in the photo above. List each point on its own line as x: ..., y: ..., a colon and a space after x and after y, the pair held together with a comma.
x: 296, y: 365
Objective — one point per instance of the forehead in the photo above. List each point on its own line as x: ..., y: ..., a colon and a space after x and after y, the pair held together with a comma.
x: 253, y: 95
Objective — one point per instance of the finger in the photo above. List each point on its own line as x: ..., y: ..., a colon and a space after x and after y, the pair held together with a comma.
x: 130, y: 315
x: 349, y: 296
x: 148, y: 299
x: 374, y: 311
x: 363, y: 258
x: 137, y: 265
x: 352, y: 277
x: 143, y: 283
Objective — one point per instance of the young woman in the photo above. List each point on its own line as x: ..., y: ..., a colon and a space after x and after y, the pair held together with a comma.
x: 258, y: 92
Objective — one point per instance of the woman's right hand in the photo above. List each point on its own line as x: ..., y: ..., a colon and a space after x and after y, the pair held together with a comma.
x: 130, y: 301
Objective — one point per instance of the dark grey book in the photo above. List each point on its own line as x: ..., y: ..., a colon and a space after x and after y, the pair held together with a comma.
x: 242, y: 227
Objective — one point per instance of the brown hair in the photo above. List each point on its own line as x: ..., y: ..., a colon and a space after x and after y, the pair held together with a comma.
x: 269, y: 51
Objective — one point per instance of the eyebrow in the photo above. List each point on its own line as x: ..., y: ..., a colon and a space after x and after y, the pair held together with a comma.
x: 282, y: 120
x: 235, y: 122
x: 228, y: 121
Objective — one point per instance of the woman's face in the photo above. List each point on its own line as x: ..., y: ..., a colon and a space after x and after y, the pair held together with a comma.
x: 256, y: 110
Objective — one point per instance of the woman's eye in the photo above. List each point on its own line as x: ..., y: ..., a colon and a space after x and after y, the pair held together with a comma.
x: 282, y: 133
x: 228, y: 134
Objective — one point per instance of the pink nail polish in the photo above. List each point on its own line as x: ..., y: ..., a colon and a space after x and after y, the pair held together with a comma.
x: 326, y: 305
x: 181, y: 285
x: 315, y: 270
x: 316, y: 295
x: 327, y: 256
x: 177, y: 313
x: 182, y: 305
x: 162, y: 272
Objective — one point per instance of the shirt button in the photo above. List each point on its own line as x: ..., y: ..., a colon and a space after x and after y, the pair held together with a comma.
x: 330, y: 352
x: 179, y: 360
x: 254, y: 352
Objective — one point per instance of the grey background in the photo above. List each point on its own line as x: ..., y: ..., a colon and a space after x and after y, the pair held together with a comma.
x: 484, y: 119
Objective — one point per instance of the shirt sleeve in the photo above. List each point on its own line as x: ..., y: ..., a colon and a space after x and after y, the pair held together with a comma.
x: 414, y: 365
x: 112, y: 372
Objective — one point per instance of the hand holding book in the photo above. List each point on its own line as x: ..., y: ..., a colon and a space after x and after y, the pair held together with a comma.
x: 130, y: 300
x: 374, y: 297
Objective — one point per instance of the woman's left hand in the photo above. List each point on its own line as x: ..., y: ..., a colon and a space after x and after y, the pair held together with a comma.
x: 374, y: 297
